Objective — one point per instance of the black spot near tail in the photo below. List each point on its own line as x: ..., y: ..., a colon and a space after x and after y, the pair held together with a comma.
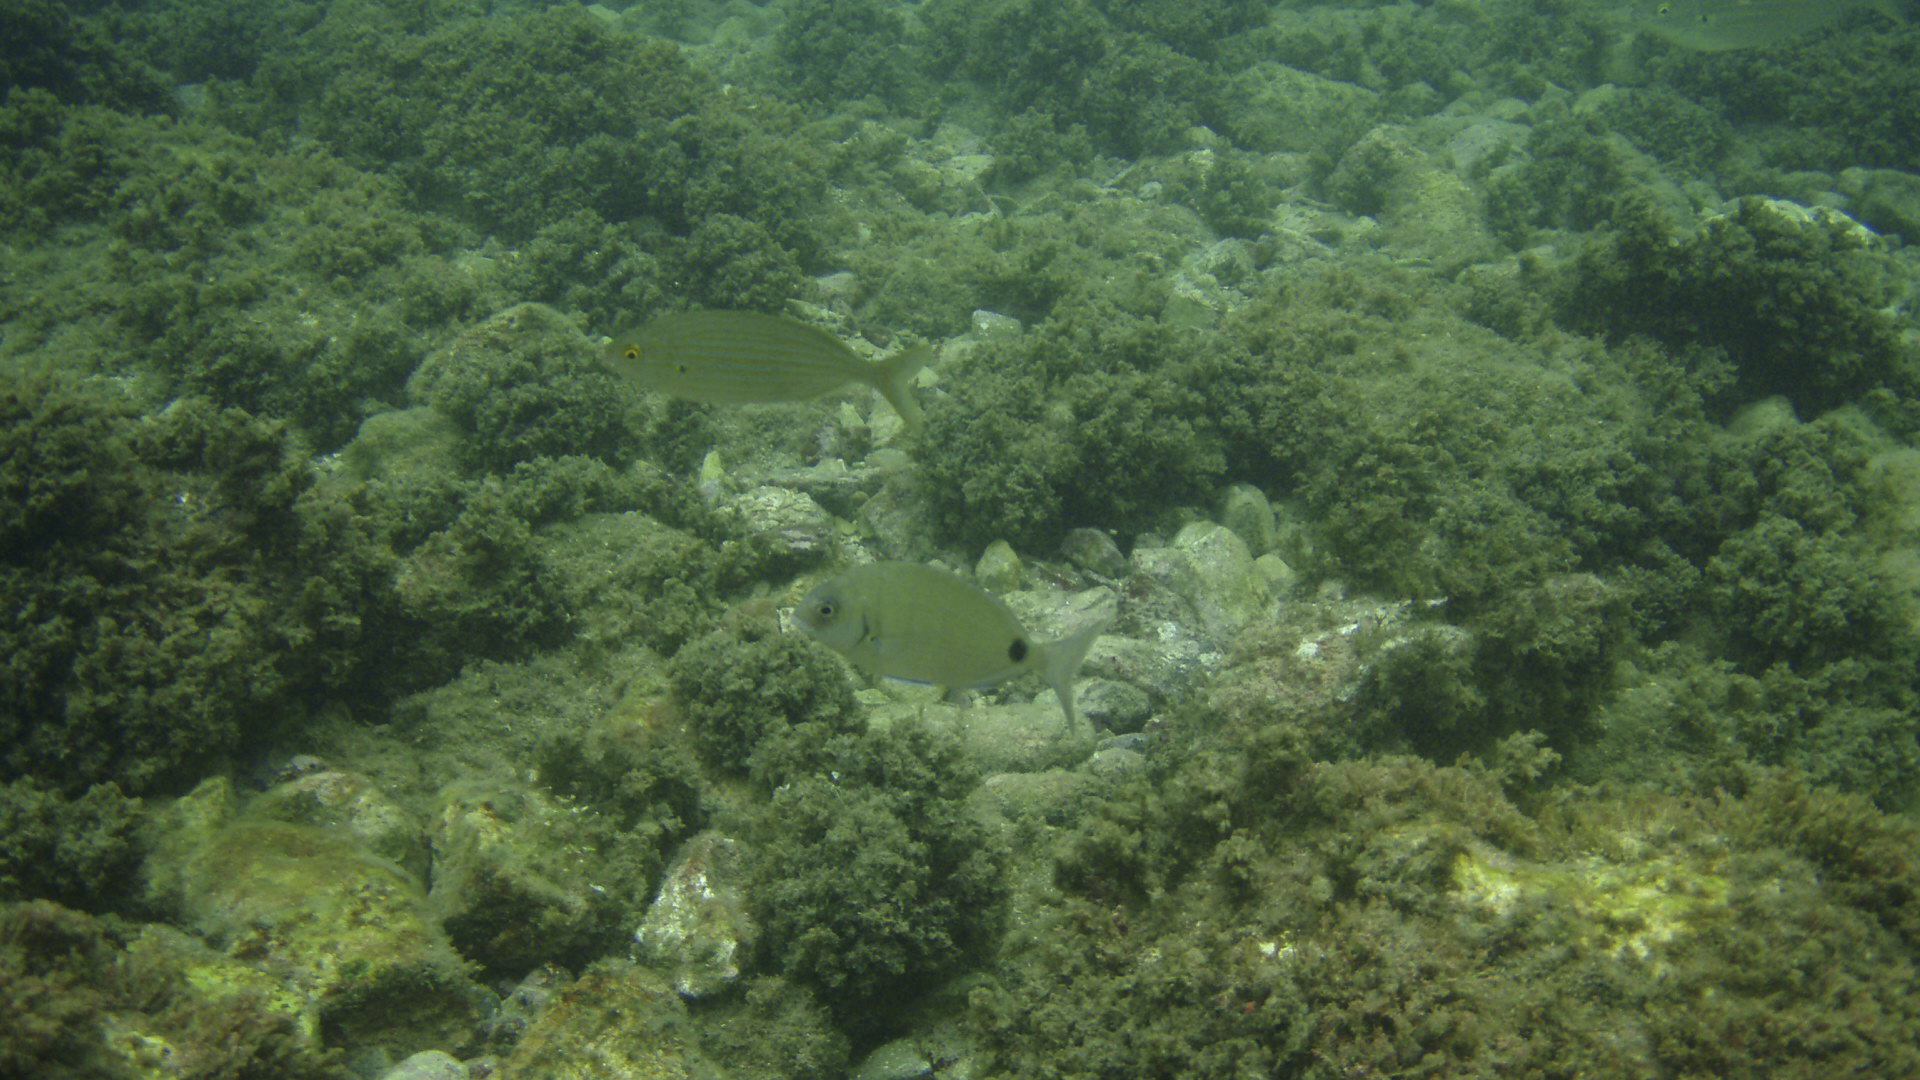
x: 1017, y: 651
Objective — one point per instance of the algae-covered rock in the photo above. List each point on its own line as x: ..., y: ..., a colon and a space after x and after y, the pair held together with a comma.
x: 524, y: 383
x: 698, y: 928
x: 1209, y: 567
x: 520, y: 878
x: 1239, y: 906
x: 428, y: 1065
x: 618, y: 1022
x: 96, y: 998
x: 1246, y: 511
x: 355, y: 806
x: 1284, y: 109
x: 349, y: 932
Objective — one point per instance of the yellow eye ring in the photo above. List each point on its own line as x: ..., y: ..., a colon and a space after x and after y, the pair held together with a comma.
x: 631, y: 352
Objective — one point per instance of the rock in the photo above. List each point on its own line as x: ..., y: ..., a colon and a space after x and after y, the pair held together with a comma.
x: 1423, y: 205
x: 1231, y: 593
x: 897, y: 1060
x: 1165, y: 668
x: 1208, y: 566
x: 428, y: 1065
x: 1889, y: 201
x: 614, y: 1023
x: 1281, y: 578
x: 1009, y: 797
x: 989, y: 325
x: 350, y: 933
x: 350, y: 802
x: 789, y: 522
x: 1049, y: 614
x: 697, y: 928
x: 515, y: 1012
x: 1095, y: 552
x: 1116, y: 762
x: 999, y: 569
x: 1019, y: 738
x: 1113, y: 705
x: 1285, y: 109
x: 1245, y: 510
x: 512, y: 882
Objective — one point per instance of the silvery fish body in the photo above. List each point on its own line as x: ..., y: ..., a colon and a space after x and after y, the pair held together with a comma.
x: 1721, y: 25
x: 906, y: 621
x: 745, y: 357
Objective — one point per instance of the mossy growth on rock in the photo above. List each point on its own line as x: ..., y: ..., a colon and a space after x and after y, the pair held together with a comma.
x: 141, y: 554
x: 1796, y: 299
x: 760, y: 702
x: 91, y: 997
x: 870, y: 878
x: 1241, y: 907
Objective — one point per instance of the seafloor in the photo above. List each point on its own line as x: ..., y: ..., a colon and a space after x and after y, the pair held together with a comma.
x: 1487, y: 429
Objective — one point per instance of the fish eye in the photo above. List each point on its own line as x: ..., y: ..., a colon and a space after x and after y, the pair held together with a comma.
x: 825, y: 610
x: 631, y: 352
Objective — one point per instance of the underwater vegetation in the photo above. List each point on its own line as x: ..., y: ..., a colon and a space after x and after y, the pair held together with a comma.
x: 1481, y: 431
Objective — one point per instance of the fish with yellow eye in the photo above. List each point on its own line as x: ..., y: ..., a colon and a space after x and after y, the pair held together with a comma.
x: 746, y: 357
x: 1722, y: 25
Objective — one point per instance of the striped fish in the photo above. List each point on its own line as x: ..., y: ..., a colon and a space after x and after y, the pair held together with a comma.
x: 1720, y: 25
x: 745, y: 357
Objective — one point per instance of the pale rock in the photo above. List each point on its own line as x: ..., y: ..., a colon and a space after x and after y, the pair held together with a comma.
x: 697, y: 928
x: 999, y: 569
x: 897, y: 1060
x: 797, y: 525
x: 427, y: 1065
x: 351, y: 803
x: 1246, y: 510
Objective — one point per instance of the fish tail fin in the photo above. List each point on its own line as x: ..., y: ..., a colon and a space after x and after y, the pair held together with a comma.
x: 1060, y: 664
x: 896, y: 383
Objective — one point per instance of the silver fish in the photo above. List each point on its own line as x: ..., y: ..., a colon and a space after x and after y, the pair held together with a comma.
x: 906, y: 621
x: 741, y: 357
x: 1722, y: 25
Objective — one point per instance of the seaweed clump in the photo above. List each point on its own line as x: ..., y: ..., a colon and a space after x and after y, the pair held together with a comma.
x: 1244, y: 910
x: 144, y: 556
x: 80, y: 852
x: 1796, y: 301
x: 90, y: 998
x: 761, y: 703
x: 870, y: 877
x: 548, y: 129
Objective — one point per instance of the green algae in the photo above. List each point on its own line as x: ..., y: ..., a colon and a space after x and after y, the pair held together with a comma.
x: 91, y: 998
x: 1651, y: 501
x: 348, y: 933
x: 1246, y: 908
x: 868, y: 877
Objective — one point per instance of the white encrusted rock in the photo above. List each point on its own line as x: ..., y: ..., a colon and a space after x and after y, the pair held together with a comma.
x: 698, y: 928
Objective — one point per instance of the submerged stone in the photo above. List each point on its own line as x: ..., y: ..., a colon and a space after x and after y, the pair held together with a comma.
x: 697, y: 928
